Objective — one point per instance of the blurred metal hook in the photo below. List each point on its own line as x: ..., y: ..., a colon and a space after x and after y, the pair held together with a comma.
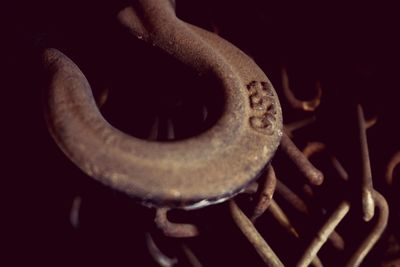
x: 310, y: 105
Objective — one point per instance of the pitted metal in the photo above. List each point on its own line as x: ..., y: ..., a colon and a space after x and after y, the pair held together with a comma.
x: 197, y: 171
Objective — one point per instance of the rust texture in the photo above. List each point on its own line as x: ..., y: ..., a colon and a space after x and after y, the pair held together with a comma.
x: 251, y: 233
x: 310, y: 105
x: 304, y: 165
x: 196, y: 171
x: 266, y: 193
x: 173, y: 229
x: 367, y: 186
x: 232, y: 163
x: 324, y: 233
x: 375, y: 234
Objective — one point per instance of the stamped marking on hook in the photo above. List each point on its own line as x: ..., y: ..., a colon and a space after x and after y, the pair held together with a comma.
x: 263, y: 107
x: 201, y: 170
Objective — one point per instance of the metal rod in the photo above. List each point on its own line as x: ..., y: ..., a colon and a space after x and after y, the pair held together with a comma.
x: 157, y: 255
x: 375, y: 234
x: 310, y: 105
x: 254, y: 237
x: 303, y: 164
x: 324, y: 233
x: 312, y: 148
x: 266, y: 193
x: 367, y: 186
x: 191, y: 257
x: 171, y: 229
x: 293, y: 199
x: 284, y: 221
x: 339, y: 168
x: 316, y: 147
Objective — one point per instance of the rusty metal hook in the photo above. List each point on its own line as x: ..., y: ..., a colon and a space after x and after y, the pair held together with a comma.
x: 174, y: 229
x: 373, y: 237
x: 310, y: 105
x: 195, y: 172
x: 366, y: 183
x: 251, y: 233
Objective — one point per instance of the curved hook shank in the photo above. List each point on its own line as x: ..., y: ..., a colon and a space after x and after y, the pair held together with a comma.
x: 373, y: 237
x: 197, y: 171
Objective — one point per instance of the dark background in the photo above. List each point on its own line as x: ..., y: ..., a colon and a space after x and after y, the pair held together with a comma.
x: 351, y: 48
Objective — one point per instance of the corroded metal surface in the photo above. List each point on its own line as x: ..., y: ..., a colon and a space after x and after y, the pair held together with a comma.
x: 317, y: 216
x: 194, y: 172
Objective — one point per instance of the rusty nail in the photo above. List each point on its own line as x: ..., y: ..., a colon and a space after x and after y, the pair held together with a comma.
x: 192, y: 258
x: 316, y: 147
x: 284, y: 221
x: 158, y: 256
x: 339, y: 168
x: 296, y: 103
x: 376, y: 232
x: 312, y: 148
x: 293, y: 199
x: 324, y: 233
x: 303, y: 164
x: 267, y: 189
x: 171, y: 229
x: 367, y: 186
x: 254, y: 237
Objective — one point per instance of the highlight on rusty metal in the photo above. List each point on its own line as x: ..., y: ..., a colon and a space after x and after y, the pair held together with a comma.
x: 393, y: 163
x: 158, y: 256
x: 191, y: 173
x: 254, y: 237
x: 324, y: 233
x: 292, y: 198
x: 312, y: 148
x: 339, y: 168
x: 178, y: 230
x: 298, y: 204
x: 367, y: 186
x: 192, y: 258
x: 266, y: 193
x: 216, y: 164
x: 282, y: 218
x: 251, y: 189
x: 317, y: 147
x: 310, y: 105
x: 302, y: 163
x: 284, y: 221
x: 371, y: 239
